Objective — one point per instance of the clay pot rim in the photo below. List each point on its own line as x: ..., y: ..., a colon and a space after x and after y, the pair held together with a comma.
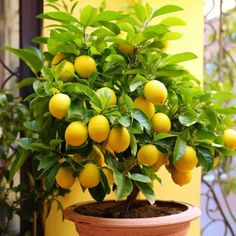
x: 188, y: 215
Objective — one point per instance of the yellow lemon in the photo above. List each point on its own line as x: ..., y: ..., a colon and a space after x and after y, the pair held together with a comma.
x: 125, y: 48
x: 76, y: 133
x: 57, y: 59
x: 108, y: 174
x: 148, y: 155
x: 188, y: 161
x: 65, y: 178
x: 85, y: 66
x: 230, y: 138
x: 98, y: 128
x: 155, y: 91
x: 181, y: 178
x: 119, y: 139
x: 145, y: 106
x: 162, y: 160
x: 89, y: 177
x: 161, y: 123
x: 108, y: 93
x: 58, y: 105
x: 65, y: 71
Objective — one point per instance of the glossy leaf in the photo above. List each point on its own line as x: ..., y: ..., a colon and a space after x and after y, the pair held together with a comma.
x: 88, y: 15
x: 180, y: 147
x: 167, y: 9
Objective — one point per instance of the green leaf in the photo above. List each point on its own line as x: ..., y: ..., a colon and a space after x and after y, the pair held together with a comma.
x: 124, y: 121
x: 110, y: 16
x: 32, y: 125
x: 211, y: 116
x: 124, y: 185
x: 137, y: 81
x: 149, y: 172
x: 177, y: 58
x: 180, y: 147
x: 167, y: 9
x: 226, y: 110
x: 155, y: 30
x: 147, y: 191
x: 133, y: 145
x: 46, y: 161
x: 163, y: 136
x: 58, y: 16
x: 32, y: 144
x: 30, y: 58
x: 205, y: 157
x: 50, y: 177
x: 188, y: 118
x: 141, y: 118
x: 39, y: 40
x: 140, y: 178
x: 172, y: 36
x: 18, y: 162
x: 56, y: 45
x: 140, y: 12
x: 98, y: 193
x: 111, y: 26
x: 25, y: 82
x: 173, y: 21
x: 88, y: 15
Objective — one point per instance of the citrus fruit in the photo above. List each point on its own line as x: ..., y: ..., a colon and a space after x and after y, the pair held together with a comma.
x: 89, y: 177
x: 58, y: 105
x: 105, y: 146
x: 230, y: 138
x: 76, y: 133
x: 155, y: 91
x: 162, y: 160
x: 98, y: 128
x: 65, y: 71
x: 125, y: 48
x: 107, y: 93
x: 97, y: 155
x: 181, y: 178
x: 57, y: 59
x: 161, y: 123
x: 188, y: 161
x: 85, y: 66
x: 145, y: 106
x: 119, y: 139
x: 216, y: 161
x: 148, y: 155
x: 108, y: 174
x: 65, y: 178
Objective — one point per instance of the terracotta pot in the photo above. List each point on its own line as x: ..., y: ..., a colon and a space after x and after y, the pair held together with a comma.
x: 172, y: 225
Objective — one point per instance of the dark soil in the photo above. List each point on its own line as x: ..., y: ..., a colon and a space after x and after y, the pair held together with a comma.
x: 140, y: 209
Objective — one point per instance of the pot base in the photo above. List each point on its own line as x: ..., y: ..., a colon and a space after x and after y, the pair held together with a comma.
x: 172, y: 225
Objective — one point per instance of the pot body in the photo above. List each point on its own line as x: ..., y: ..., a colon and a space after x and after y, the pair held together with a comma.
x: 172, y: 225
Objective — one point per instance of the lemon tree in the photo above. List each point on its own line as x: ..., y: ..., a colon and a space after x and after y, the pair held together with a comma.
x: 111, y: 106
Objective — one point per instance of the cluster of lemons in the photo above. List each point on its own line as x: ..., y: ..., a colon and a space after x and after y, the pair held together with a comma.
x: 117, y: 139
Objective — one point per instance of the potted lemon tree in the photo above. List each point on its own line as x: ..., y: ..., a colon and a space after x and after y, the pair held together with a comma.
x: 110, y: 107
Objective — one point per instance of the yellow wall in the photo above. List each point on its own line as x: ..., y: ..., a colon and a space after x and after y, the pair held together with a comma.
x: 191, y: 41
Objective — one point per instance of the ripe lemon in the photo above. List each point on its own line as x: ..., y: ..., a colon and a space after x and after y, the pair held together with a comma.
x: 125, y: 48
x: 97, y: 155
x: 76, y: 133
x: 105, y: 146
x: 230, y: 138
x: 58, y: 105
x: 98, y: 128
x: 65, y: 71
x: 108, y: 173
x: 181, y: 178
x: 148, y: 155
x: 85, y: 66
x: 216, y: 161
x: 119, y: 139
x: 89, y: 177
x: 155, y: 91
x: 57, y: 59
x: 161, y: 123
x: 65, y: 178
x: 188, y: 161
x: 108, y: 93
x: 145, y: 106
x: 162, y: 160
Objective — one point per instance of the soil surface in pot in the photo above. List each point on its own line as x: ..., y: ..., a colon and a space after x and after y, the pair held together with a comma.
x: 140, y: 209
